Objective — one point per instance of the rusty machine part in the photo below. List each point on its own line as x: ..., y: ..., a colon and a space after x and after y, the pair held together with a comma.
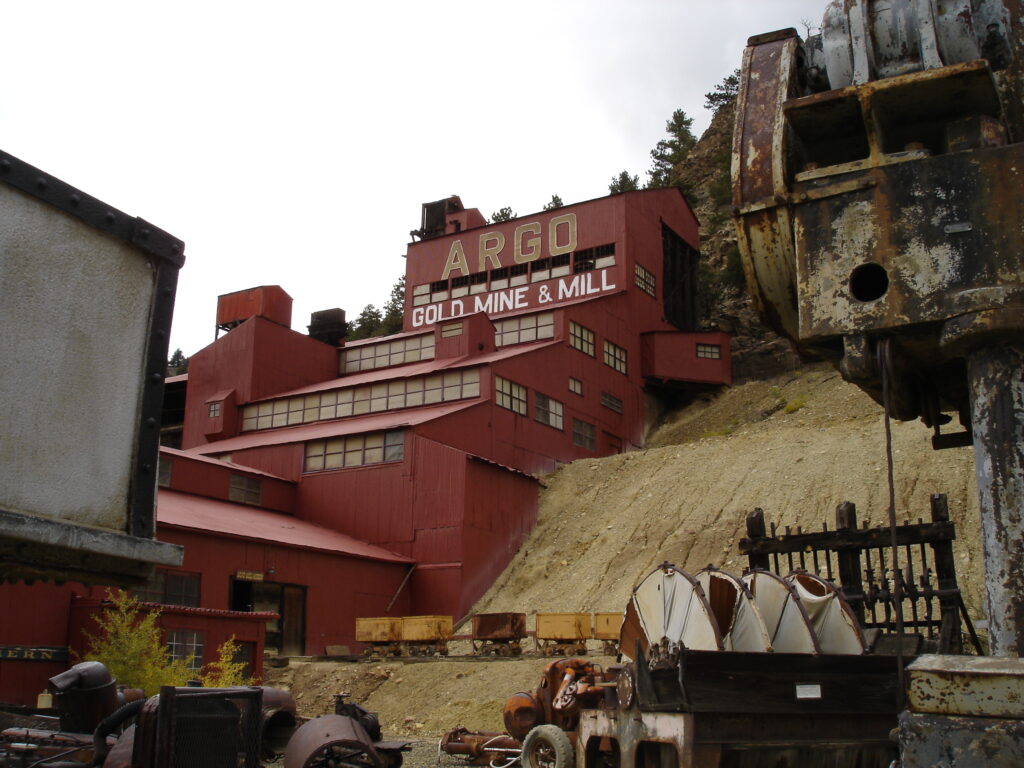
x: 333, y: 741
x: 566, y: 687
x: 84, y: 695
x: 877, y: 173
x: 498, y: 750
x: 498, y: 634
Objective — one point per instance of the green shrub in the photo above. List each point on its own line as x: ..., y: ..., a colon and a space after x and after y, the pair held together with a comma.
x: 226, y: 671
x: 130, y: 644
x: 795, y: 404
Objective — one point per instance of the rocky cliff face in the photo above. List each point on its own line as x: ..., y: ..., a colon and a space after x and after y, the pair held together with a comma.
x: 757, y: 351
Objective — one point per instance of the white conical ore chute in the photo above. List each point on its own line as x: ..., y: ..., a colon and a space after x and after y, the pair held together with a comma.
x: 789, y: 628
x: 672, y: 613
x: 735, y: 611
x: 834, y: 623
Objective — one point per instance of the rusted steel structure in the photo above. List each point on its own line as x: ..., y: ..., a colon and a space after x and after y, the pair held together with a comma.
x: 877, y: 193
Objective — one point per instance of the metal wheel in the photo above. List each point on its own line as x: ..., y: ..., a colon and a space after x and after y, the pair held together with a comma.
x: 547, y: 746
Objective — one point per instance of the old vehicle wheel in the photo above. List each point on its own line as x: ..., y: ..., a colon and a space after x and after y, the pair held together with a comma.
x: 547, y: 746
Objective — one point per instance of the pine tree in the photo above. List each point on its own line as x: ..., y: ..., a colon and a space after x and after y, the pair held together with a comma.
x: 624, y: 183
x: 394, y: 310
x: 671, y: 152
x: 723, y: 93
x: 556, y: 202
x: 366, y: 324
x: 178, y: 364
x: 502, y: 214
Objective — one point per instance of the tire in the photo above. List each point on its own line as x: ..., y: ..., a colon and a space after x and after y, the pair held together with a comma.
x: 548, y: 746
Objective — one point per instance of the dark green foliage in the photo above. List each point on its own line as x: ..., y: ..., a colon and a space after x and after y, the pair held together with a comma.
x: 393, y: 310
x: 178, y: 364
x: 502, y: 214
x: 671, y: 152
x: 733, y: 275
x: 624, y: 183
x: 556, y: 202
x: 366, y: 325
x: 723, y: 93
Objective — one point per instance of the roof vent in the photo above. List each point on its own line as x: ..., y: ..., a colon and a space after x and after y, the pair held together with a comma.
x: 328, y: 326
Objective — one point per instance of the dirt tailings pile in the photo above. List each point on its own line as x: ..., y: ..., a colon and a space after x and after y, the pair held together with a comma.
x: 796, y: 446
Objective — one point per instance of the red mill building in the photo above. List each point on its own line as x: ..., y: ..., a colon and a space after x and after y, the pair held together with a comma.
x: 314, y: 477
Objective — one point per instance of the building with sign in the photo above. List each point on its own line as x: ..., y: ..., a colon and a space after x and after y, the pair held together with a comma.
x: 321, y: 479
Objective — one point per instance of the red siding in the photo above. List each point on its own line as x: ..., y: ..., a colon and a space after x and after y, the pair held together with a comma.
x: 674, y: 356
x: 269, y: 301
x: 257, y: 359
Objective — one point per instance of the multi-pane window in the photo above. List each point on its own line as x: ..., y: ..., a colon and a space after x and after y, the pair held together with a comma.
x: 186, y: 644
x: 576, y: 386
x: 581, y: 338
x: 369, y: 398
x: 594, y: 258
x: 547, y: 411
x: 711, y: 351
x: 646, y: 281
x: 614, y: 356
x: 510, y: 395
x: 611, y: 402
x: 583, y: 434
x: 450, y: 330
x: 244, y: 489
x: 518, y: 330
x: 367, y: 357
x: 213, y: 410
x: 170, y: 588
x: 420, y: 295
x: 354, y: 451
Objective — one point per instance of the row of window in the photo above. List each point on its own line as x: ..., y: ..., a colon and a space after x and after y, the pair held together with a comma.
x: 367, y: 357
x: 582, y: 338
x: 369, y: 398
x: 500, y: 278
x: 547, y: 410
x: 354, y: 451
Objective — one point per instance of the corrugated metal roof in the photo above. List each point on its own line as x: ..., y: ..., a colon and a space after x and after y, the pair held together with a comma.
x: 412, y: 369
x: 184, y: 510
x: 218, y: 462
x: 320, y: 430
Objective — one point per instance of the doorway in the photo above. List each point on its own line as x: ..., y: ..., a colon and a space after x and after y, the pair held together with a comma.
x: 285, y: 635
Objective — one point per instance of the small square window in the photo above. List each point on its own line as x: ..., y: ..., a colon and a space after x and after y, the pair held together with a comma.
x: 213, y: 410
x: 709, y: 351
x: 583, y: 434
x: 244, y: 489
x: 576, y: 386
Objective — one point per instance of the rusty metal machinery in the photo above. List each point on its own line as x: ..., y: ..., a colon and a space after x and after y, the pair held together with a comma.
x: 877, y: 196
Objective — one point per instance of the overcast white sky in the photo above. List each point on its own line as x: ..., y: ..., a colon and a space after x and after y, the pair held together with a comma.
x: 293, y: 143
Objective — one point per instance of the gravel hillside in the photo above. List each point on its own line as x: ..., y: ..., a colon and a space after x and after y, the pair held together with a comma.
x: 796, y: 446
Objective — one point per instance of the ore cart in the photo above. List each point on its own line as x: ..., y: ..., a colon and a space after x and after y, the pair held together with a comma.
x: 382, y: 635
x: 562, y: 634
x: 426, y: 635
x: 498, y: 634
